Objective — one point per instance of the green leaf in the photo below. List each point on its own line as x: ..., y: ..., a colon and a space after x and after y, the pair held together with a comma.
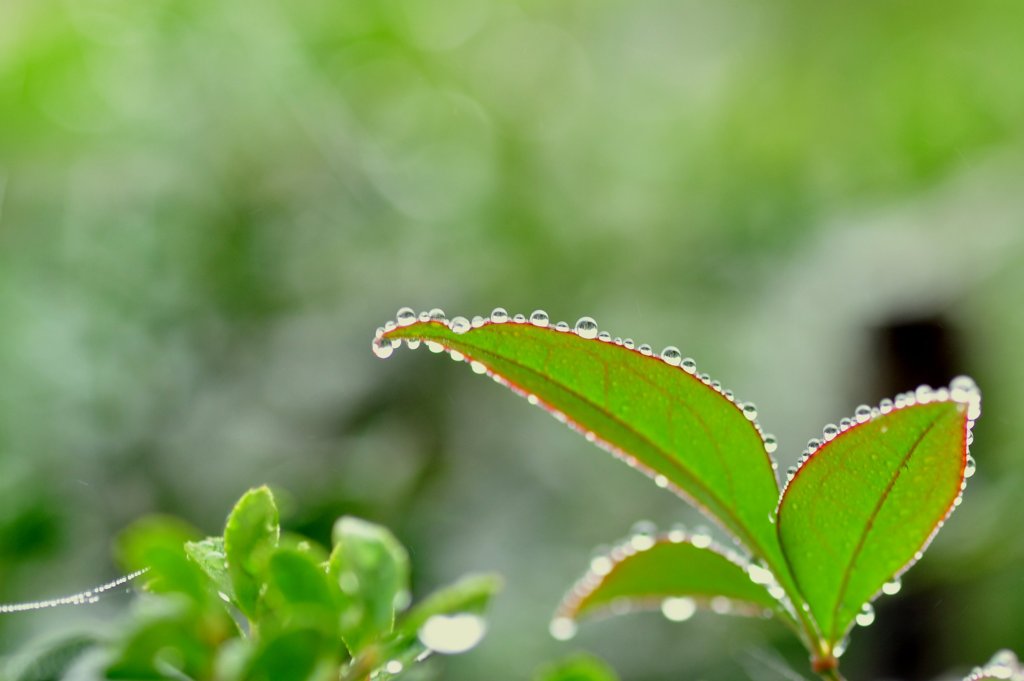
x: 210, y: 556
x: 50, y: 662
x: 660, y: 417
x: 299, y: 592
x: 156, y: 544
x: 672, y: 573
x: 864, y: 505
x: 472, y: 594
x: 578, y: 667
x: 250, y: 536
x: 372, y: 568
x: 292, y: 655
x: 167, y: 639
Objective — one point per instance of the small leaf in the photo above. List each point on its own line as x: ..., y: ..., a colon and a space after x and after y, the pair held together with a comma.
x: 372, y: 568
x: 292, y: 655
x: 211, y: 558
x: 250, y: 535
x: 1003, y: 665
x: 299, y: 592
x: 675, y: 575
x: 472, y: 594
x: 156, y: 544
x: 653, y: 412
x: 578, y: 667
x: 865, y: 505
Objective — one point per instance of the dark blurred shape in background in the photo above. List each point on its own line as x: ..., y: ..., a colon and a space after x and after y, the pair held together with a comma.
x: 207, y: 208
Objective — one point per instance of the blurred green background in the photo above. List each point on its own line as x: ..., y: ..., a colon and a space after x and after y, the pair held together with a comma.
x: 207, y: 207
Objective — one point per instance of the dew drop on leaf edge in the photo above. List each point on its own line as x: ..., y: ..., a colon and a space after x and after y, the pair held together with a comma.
x: 586, y: 327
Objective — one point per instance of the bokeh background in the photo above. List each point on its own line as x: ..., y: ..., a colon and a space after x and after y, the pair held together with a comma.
x: 207, y: 207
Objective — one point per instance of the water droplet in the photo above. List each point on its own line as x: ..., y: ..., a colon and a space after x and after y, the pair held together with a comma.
x: 923, y: 394
x: 456, y: 356
x: 644, y: 527
x: 970, y: 466
x: 701, y: 538
x: 601, y: 565
x: 678, y: 609
x: 519, y: 319
x: 759, y: 575
x: 646, y: 349
x: 641, y: 542
x: 830, y: 431
x: 562, y: 326
x: 586, y: 327
x: 770, y: 444
x: 452, y: 634
x: 671, y: 355
x: 460, y: 325
x: 562, y: 628
x: 661, y: 481
x: 862, y: 413
x: 892, y: 587
x: 866, y: 615
x: 539, y: 318
x: 499, y: 315
x: 689, y: 365
x: 413, y: 343
x: 478, y: 367
x: 394, y: 667
x: 382, y: 348
x: 840, y: 648
x: 628, y: 343
x: 437, y: 315
x: 434, y: 346
x: 750, y: 411
x: 406, y: 316
x: 390, y: 326
x: 813, y: 444
x: 477, y: 321
x: 424, y: 316
x: 885, y: 406
x: 721, y: 605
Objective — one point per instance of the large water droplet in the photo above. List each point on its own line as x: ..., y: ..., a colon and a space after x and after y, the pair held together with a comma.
x: 586, y: 327
x: 406, y: 316
x: 862, y: 413
x: 601, y: 565
x: 770, y: 444
x: 866, y: 615
x: 394, y: 667
x: 892, y: 587
x: 678, y: 609
x: 539, y: 318
x: 970, y: 467
x: 689, y: 365
x: 830, y: 431
x: 452, y: 634
x: 885, y: 406
x: 437, y: 315
x: 645, y: 349
x: 460, y: 325
x: 562, y: 628
x: 499, y: 315
x: 382, y: 348
x: 750, y: 411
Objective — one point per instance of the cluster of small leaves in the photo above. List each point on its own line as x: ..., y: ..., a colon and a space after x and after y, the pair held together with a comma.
x: 259, y: 605
x: 864, y: 503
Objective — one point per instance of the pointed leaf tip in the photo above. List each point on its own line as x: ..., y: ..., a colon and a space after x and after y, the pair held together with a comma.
x: 651, y: 409
x: 864, y: 505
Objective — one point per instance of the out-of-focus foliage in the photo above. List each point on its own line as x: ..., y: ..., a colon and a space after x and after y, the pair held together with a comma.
x: 203, y: 206
x: 255, y: 606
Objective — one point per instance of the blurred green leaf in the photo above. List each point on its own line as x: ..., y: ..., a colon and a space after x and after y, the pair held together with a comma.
x: 578, y: 667
x: 293, y: 655
x: 250, y: 535
x: 210, y: 556
x: 167, y: 638
x: 372, y: 569
x: 689, y: 575
x: 300, y: 592
x: 471, y: 593
x: 51, y: 661
x: 863, y: 507
x: 157, y: 544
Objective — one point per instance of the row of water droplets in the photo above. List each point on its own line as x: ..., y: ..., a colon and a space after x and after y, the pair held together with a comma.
x: 961, y: 390
x: 644, y: 536
x: 585, y: 327
x: 84, y: 598
x: 1003, y: 665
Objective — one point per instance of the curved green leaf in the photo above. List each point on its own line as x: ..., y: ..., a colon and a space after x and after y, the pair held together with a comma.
x: 657, y: 415
x: 672, y: 573
x: 864, y: 506
x: 471, y: 593
x: 250, y: 534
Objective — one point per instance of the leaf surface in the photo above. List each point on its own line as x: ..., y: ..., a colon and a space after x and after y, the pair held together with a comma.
x: 251, y: 533
x: 578, y: 667
x: 691, y: 575
x: 864, y: 505
x: 658, y: 416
